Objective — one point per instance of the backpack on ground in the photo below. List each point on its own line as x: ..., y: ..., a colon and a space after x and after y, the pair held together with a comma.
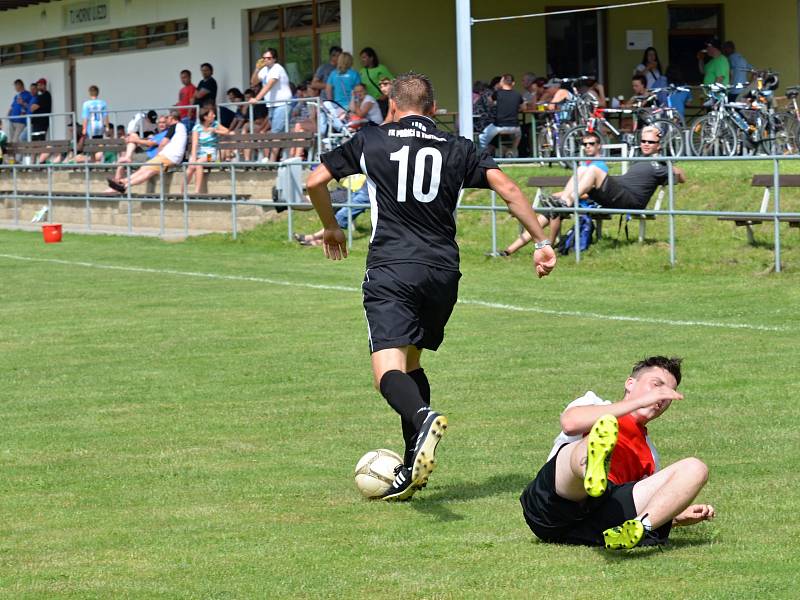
x: 585, y: 231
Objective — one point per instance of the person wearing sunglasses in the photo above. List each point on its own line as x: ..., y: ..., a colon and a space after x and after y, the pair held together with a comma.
x: 632, y: 190
x: 591, y: 147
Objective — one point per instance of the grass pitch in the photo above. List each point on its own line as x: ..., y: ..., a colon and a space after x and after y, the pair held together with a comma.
x: 169, y: 434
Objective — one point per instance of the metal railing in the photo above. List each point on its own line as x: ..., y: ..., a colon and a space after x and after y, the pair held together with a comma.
x: 233, y: 201
x: 314, y: 102
x: 28, y: 130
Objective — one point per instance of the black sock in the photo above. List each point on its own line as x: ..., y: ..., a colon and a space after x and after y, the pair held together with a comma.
x: 419, y: 377
x: 409, y: 431
x: 403, y: 396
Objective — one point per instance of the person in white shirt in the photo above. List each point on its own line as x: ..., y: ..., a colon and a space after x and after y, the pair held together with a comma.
x: 276, y: 90
x: 364, y: 107
x: 171, y: 152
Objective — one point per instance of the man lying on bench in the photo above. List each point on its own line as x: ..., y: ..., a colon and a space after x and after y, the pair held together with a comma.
x: 632, y: 190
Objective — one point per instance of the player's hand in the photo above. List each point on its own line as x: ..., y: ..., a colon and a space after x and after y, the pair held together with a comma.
x: 544, y: 261
x: 695, y: 513
x: 334, y: 243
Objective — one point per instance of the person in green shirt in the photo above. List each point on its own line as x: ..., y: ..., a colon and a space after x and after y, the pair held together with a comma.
x: 716, y: 70
x: 371, y: 74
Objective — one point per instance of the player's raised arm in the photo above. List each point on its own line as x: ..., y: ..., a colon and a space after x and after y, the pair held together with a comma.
x: 334, y: 243
x: 544, y: 258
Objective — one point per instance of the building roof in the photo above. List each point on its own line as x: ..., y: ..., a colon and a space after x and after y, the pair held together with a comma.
x: 12, y: 4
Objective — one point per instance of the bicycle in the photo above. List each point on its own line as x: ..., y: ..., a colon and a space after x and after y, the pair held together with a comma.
x: 791, y: 120
x: 733, y: 127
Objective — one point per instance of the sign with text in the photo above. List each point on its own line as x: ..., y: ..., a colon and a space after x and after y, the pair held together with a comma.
x: 84, y: 14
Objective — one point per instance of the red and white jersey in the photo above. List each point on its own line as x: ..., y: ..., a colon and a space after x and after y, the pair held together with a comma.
x: 634, y: 458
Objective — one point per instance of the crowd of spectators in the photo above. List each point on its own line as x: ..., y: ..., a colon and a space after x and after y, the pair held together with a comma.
x: 493, y: 114
x: 270, y: 103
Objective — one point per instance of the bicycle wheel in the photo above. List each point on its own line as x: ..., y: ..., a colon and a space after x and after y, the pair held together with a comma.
x: 774, y: 137
x: 711, y: 136
x: 791, y: 131
x: 545, y: 142
x: 671, y: 137
x: 571, y: 141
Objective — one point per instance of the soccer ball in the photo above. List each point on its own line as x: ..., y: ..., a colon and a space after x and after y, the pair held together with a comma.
x: 375, y: 472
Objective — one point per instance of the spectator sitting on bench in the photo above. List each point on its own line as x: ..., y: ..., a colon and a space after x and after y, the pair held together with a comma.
x: 592, y: 146
x: 205, y: 140
x: 363, y: 108
x: 629, y: 191
x: 134, y: 141
x: 506, y: 121
x: 360, y: 196
x: 303, y: 117
x: 171, y: 151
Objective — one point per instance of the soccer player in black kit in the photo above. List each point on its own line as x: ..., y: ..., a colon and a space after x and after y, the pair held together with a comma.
x: 415, y: 173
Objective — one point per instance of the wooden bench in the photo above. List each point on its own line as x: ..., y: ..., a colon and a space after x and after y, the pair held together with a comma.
x: 767, y: 182
x: 37, y: 147
x: 559, y: 181
x: 92, y: 146
x: 267, y: 141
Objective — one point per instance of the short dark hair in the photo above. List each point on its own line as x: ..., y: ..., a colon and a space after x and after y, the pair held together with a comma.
x: 207, y: 65
x: 93, y: 89
x: 593, y: 135
x: 494, y: 81
x: 187, y: 71
x: 175, y: 114
x: 373, y: 56
x: 235, y: 92
x: 413, y: 91
x: 334, y: 50
x: 508, y: 79
x: 670, y: 365
x: 272, y: 51
x: 640, y: 78
x: 204, y: 112
x: 19, y: 82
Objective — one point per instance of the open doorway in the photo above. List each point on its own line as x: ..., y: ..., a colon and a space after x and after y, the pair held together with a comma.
x: 575, y: 44
x: 689, y: 29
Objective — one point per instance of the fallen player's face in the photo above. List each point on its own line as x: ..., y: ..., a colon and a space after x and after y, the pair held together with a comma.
x: 646, y: 382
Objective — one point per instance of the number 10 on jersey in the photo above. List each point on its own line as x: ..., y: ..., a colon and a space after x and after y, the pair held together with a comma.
x: 401, y: 157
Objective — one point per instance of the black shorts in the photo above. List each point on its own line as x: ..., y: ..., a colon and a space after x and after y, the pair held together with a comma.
x: 613, y: 195
x: 557, y: 520
x: 408, y: 304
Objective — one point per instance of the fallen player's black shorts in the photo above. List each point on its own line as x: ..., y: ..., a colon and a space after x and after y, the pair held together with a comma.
x: 557, y: 520
x: 613, y: 195
x: 408, y: 304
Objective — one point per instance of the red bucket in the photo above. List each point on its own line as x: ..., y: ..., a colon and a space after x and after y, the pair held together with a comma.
x: 51, y: 233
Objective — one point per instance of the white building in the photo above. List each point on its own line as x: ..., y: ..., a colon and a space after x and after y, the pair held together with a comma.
x: 134, y: 50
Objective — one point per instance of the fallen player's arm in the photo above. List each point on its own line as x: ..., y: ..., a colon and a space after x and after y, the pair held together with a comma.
x: 579, y: 419
x: 544, y: 258
x: 696, y: 513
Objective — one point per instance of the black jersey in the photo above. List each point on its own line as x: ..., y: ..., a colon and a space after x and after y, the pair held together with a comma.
x: 414, y: 175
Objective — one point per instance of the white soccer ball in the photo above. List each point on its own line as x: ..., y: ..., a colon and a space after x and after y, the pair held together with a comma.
x: 375, y: 472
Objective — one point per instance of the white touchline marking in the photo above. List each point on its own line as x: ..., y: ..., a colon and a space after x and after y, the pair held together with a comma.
x: 468, y: 301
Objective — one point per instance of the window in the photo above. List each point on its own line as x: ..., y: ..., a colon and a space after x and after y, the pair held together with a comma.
x: 302, y: 34
x: 573, y: 45
x: 167, y: 33
x: 689, y: 29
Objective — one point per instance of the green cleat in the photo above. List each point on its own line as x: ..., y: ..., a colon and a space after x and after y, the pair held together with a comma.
x: 599, y: 446
x: 627, y: 535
